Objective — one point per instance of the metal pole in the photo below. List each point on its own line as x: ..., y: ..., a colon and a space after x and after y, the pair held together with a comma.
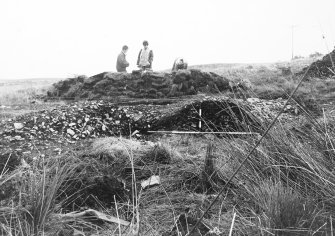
x: 292, y: 41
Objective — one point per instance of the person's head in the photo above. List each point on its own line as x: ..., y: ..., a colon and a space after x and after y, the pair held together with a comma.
x: 125, y: 48
x: 145, y: 44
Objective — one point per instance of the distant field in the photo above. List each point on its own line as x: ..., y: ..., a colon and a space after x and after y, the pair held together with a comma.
x: 273, y: 80
x: 14, y: 92
x: 17, y: 96
x: 296, y: 65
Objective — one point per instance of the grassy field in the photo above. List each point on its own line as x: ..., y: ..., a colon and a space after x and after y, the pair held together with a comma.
x: 285, y: 187
x: 276, y: 80
x: 18, y: 97
x: 15, y: 92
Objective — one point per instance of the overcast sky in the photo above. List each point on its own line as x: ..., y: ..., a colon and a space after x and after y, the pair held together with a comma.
x: 62, y: 38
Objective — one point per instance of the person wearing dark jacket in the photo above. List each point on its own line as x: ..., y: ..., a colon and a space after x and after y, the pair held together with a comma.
x: 145, y: 57
x: 121, y: 62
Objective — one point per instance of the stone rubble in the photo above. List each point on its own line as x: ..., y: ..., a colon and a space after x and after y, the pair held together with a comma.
x: 100, y: 119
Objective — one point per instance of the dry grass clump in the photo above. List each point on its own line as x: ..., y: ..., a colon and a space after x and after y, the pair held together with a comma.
x: 160, y: 153
x: 145, y: 155
x: 37, y: 196
x: 284, y: 211
x: 114, y: 150
x: 118, y: 150
x: 287, y: 187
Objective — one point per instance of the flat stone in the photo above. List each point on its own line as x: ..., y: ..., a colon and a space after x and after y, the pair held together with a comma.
x: 70, y: 132
x: 18, y: 125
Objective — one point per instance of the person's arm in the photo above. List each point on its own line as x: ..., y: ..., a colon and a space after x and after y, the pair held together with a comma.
x: 174, y: 65
x: 122, y: 61
x: 151, y: 56
x: 138, y: 58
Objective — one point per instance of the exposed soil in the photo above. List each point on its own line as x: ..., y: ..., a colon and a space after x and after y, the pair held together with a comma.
x: 324, y: 68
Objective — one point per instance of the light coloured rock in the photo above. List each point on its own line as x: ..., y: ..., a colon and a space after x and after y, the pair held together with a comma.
x: 18, y: 125
x: 18, y: 138
x: 253, y: 100
x: 153, y: 180
x: 70, y: 132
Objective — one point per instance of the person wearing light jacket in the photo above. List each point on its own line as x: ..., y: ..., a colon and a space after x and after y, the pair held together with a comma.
x: 121, y: 62
x: 145, y: 57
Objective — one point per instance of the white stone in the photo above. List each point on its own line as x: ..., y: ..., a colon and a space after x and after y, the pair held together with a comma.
x: 18, y: 125
x: 70, y: 132
x: 153, y: 180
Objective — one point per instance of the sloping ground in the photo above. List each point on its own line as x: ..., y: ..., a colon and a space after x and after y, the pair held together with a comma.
x: 58, y: 128
x: 140, y: 85
x: 323, y: 68
x: 100, y: 118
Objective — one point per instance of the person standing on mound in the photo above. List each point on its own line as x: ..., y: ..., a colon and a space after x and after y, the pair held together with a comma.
x: 145, y: 57
x: 121, y: 62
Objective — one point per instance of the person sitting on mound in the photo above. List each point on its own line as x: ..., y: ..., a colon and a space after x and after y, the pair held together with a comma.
x: 179, y: 64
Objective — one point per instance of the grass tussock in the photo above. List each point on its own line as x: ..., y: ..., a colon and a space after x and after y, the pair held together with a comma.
x: 35, y: 196
x: 284, y: 211
x: 288, y: 184
x: 118, y: 150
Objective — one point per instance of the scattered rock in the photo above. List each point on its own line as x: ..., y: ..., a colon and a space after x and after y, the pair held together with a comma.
x: 18, y: 126
x: 152, y: 181
x: 70, y: 132
x: 101, y: 119
x: 92, y: 119
x: 18, y: 138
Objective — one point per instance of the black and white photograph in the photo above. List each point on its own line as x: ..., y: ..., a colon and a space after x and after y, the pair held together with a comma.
x: 167, y: 118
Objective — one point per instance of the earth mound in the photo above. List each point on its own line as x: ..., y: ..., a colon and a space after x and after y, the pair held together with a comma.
x: 323, y: 68
x: 102, y: 119
x: 140, y: 85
